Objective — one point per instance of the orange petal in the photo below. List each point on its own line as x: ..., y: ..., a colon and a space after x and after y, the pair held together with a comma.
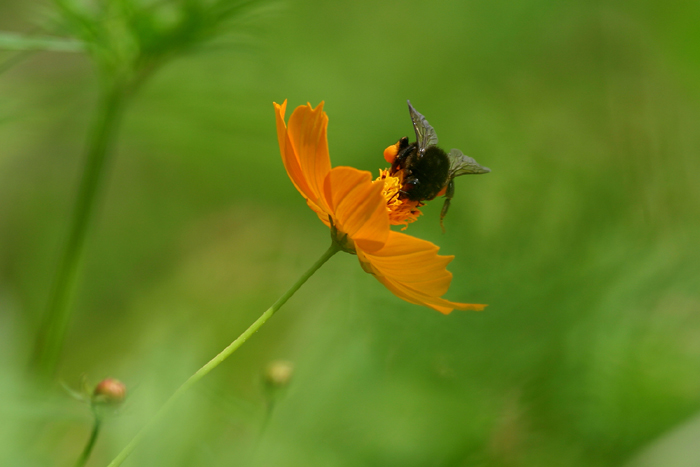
x: 289, y: 158
x: 307, y: 135
x: 358, y: 206
x: 304, y: 150
x: 280, y: 110
x: 412, y: 270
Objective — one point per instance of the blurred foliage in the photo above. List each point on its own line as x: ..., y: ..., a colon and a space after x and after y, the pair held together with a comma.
x: 583, y: 239
x: 128, y: 38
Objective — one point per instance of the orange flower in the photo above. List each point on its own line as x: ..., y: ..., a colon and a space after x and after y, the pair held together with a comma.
x: 360, y: 211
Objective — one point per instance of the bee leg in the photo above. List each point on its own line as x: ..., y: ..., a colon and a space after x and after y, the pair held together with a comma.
x: 403, y: 153
x: 408, y: 186
x: 449, y: 194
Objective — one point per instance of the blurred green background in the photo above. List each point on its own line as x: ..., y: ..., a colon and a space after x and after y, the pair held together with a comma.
x: 583, y: 240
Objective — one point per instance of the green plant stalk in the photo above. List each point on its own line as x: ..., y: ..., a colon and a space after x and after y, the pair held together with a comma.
x: 15, y: 59
x: 223, y: 355
x: 82, y: 460
x: 55, y: 322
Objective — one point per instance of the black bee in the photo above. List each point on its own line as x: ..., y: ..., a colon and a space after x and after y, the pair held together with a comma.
x: 428, y: 171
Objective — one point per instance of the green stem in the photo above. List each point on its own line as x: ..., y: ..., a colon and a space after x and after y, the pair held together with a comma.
x: 53, y: 329
x: 223, y: 355
x: 15, y: 59
x: 82, y: 460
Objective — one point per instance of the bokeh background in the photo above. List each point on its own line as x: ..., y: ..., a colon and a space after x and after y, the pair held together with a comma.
x: 583, y: 241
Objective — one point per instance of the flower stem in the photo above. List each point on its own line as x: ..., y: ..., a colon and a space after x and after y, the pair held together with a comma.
x: 82, y: 460
x: 55, y: 322
x: 223, y: 355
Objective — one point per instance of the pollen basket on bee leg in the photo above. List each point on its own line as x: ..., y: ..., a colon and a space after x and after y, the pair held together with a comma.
x: 391, y: 152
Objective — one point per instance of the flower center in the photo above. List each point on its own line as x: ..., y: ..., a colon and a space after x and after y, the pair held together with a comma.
x: 402, y: 211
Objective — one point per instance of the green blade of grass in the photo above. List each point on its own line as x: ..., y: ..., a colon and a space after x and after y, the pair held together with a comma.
x: 13, y: 41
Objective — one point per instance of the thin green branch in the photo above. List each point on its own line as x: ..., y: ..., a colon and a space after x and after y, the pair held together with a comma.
x: 52, y: 332
x: 13, y: 41
x: 82, y: 460
x: 223, y: 355
x: 15, y: 59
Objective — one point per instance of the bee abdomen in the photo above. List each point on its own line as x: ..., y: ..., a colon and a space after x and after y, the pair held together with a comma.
x: 426, y: 175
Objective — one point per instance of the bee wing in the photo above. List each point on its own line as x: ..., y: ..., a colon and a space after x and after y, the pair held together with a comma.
x: 463, y: 165
x: 425, y: 134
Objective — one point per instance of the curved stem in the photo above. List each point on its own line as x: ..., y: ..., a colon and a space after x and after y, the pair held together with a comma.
x: 223, y: 355
x: 15, y: 59
x: 55, y: 322
x: 91, y: 442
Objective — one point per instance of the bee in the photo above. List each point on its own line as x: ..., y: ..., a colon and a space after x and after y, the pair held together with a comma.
x: 427, y: 170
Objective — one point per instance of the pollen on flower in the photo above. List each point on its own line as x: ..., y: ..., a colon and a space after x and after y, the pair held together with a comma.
x: 402, y: 211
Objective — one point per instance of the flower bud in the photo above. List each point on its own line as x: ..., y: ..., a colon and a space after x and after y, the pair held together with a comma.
x: 278, y: 373
x: 109, y: 391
